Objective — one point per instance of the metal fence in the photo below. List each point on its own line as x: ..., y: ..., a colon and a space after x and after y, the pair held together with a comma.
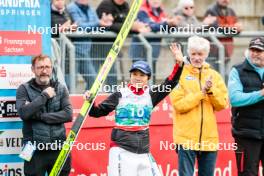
x: 83, y: 54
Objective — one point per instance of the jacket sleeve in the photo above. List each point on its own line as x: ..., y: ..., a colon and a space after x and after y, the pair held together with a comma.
x: 27, y: 109
x: 211, y: 12
x: 155, y: 27
x: 62, y: 116
x: 230, y: 19
x: 158, y: 93
x: 218, y: 94
x: 116, y: 27
x: 85, y: 23
x: 107, y: 106
x: 106, y: 7
x: 237, y: 97
x: 184, y: 101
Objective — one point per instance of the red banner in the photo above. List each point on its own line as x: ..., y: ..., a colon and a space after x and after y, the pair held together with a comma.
x: 90, y: 153
x: 14, y: 43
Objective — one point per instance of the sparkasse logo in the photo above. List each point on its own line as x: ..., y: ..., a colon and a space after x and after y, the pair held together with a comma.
x: 2, y: 72
x: 6, y: 171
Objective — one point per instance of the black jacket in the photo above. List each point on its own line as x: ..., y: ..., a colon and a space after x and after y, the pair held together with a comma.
x: 248, y: 121
x: 58, y: 19
x: 135, y: 141
x: 119, y: 13
x: 43, y: 118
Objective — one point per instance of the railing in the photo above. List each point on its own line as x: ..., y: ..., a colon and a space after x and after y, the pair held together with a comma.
x: 66, y: 43
x: 56, y: 59
x: 214, y: 38
x: 67, y: 46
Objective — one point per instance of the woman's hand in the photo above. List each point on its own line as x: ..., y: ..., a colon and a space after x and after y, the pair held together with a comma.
x: 177, y: 53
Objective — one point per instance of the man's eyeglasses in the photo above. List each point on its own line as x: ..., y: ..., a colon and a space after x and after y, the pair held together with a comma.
x: 187, y: 8
x: 44, y: 67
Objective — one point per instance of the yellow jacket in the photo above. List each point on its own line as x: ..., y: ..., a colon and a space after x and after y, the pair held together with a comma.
x: 194, y: 121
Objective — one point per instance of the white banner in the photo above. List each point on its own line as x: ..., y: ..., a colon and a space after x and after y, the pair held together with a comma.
x: 12, y: 75
x: 10, y: 142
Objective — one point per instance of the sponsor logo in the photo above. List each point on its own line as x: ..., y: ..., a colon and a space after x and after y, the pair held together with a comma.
x: 19, y: 43
x: 190, y: 78
x: 2, y: 69
x: 11, y: 142
x: 8, y: 109
x: 8, y: 171
x: 116, y: 47
x: 258, y: 42
x: 20, y: 3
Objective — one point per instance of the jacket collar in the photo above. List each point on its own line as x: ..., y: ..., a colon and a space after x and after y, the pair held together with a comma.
x: 137, y: 91
x: 195, y: 70
x: 247, y: 65
x: 35, y: 86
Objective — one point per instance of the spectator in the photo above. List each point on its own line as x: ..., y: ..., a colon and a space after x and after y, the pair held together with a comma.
x: 44, y: 107
x: 60, y: 19
x: 152, y: 15
x: 85, y: 16
x: 87, y: 20
x: 185, y: 10
x: 201, y: 91
x: 246, y: 93
x: 188, y: 21
x: 118, y: 9
x: 227, y: 23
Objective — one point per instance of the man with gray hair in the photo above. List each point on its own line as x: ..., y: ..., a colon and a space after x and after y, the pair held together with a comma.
x: 201, y: 91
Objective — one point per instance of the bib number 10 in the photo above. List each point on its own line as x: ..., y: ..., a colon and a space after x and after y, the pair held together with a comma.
x: 138, y: 112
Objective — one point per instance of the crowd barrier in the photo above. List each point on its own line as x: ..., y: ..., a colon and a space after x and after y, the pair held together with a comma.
x: 83, y: 53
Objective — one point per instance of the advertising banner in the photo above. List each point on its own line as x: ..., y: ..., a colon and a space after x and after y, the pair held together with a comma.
x: 8, y: 111
x: 24, y: 32
x: 14, y: 74
x: 11, y: 141
x: 90, y: 151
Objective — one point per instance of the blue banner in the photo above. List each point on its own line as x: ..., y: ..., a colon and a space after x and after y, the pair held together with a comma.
x: 24, y: 32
